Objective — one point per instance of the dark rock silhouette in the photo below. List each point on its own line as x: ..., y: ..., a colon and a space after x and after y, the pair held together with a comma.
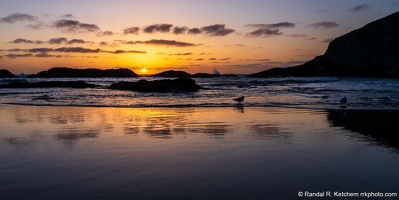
x: 371, y: 51
x: 172, y: 74
x: 48, y: 84
x: 6, y: 74
x: 180, y: 85
x: 60, y: 72
x: 204, y: 75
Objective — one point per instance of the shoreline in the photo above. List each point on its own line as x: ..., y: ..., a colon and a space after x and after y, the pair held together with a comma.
x: 210, y: 106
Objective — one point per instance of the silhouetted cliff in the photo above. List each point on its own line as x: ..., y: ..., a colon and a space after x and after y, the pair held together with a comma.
x: 6, y: 74
x: 372, y: 51
x: 59, y: 72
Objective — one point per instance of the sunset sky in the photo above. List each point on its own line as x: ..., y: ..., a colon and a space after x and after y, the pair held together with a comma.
x: 231, y: 36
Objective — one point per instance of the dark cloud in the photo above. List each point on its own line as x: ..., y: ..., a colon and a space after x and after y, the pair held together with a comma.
x: 268, y: 29
x: 225, y: 58
x: 124, y: 51
x: 194, y: 31
x: 264, y: 32
x: 264, y: 60
x: 44, y: 51
x: 16, y: 50
x: 216, y: 30
x: 179, y: 30
x: 25, y: 41
x: 162, y: 28
x: 105, y: 33
x: 77, y: 50
x: 40, y: 50
x: 159, y: 43
x: 169, y: 43
x: 181, y: 54
x: 73, y: 26
x: 360, y: 8
x: 76, y: 41
x: 12, y: 55
x: 15, y: 17
x: 298, y: 35
x: 37, y: 26
x: 131, y: 30
x: 272, y: 26
x: 212, y: 58
x: 57, y: 40
x: 199, y: 59
x: 46, y: 55
x: 67, y: 16
x: 324, y: 25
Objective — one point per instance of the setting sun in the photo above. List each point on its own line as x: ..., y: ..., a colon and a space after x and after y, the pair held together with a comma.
x: 143, y: 70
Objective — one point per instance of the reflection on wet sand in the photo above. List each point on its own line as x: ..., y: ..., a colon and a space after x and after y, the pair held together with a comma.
x: 378, y: 125
x: 72, y: 124
x: 270, y: 132
x: 189, y: 153
x: 71, y: 136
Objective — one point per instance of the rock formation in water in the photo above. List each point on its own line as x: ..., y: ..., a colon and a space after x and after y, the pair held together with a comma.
x: 62, y: 72
x: 178, y: 85
x: 371, y: 51
x: 6, y: 74
x: 172, y: 74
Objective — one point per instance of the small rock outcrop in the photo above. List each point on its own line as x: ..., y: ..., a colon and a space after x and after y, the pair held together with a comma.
x: 6, y: 74
x: 371, y: 51
x: 48, y: 84
x: 204, y: 75
x: 173, y: 74
x: 175, y: 85
x: 64, y: 72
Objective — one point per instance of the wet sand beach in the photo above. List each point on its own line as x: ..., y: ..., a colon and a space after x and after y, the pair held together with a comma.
x: 52, y: 152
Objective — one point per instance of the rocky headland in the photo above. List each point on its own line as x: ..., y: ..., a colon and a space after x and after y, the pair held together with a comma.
x: 370, y: 51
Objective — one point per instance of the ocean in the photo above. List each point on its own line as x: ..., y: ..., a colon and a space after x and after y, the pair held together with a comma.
x: 293, y: 92
x: 290, y: 139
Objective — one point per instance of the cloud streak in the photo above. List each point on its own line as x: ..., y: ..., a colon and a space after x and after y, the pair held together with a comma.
x: 68, y: 50
x: 132, y: 30
x: 157, y: 42
x: 323, y: 25
x: 211, y: 30
x: 73, y: 26
x: 18, y: 17
x: 25, y: 41
x: 60, y: 40
x: 217, y: 30
x: 161, y: 28
x: 267, y: 30
x: 360, y: 8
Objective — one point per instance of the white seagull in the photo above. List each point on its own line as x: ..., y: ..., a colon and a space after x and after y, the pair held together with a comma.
x: 241, y: 99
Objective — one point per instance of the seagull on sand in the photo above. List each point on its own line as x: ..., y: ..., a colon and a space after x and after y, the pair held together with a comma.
x: 241, y: 99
